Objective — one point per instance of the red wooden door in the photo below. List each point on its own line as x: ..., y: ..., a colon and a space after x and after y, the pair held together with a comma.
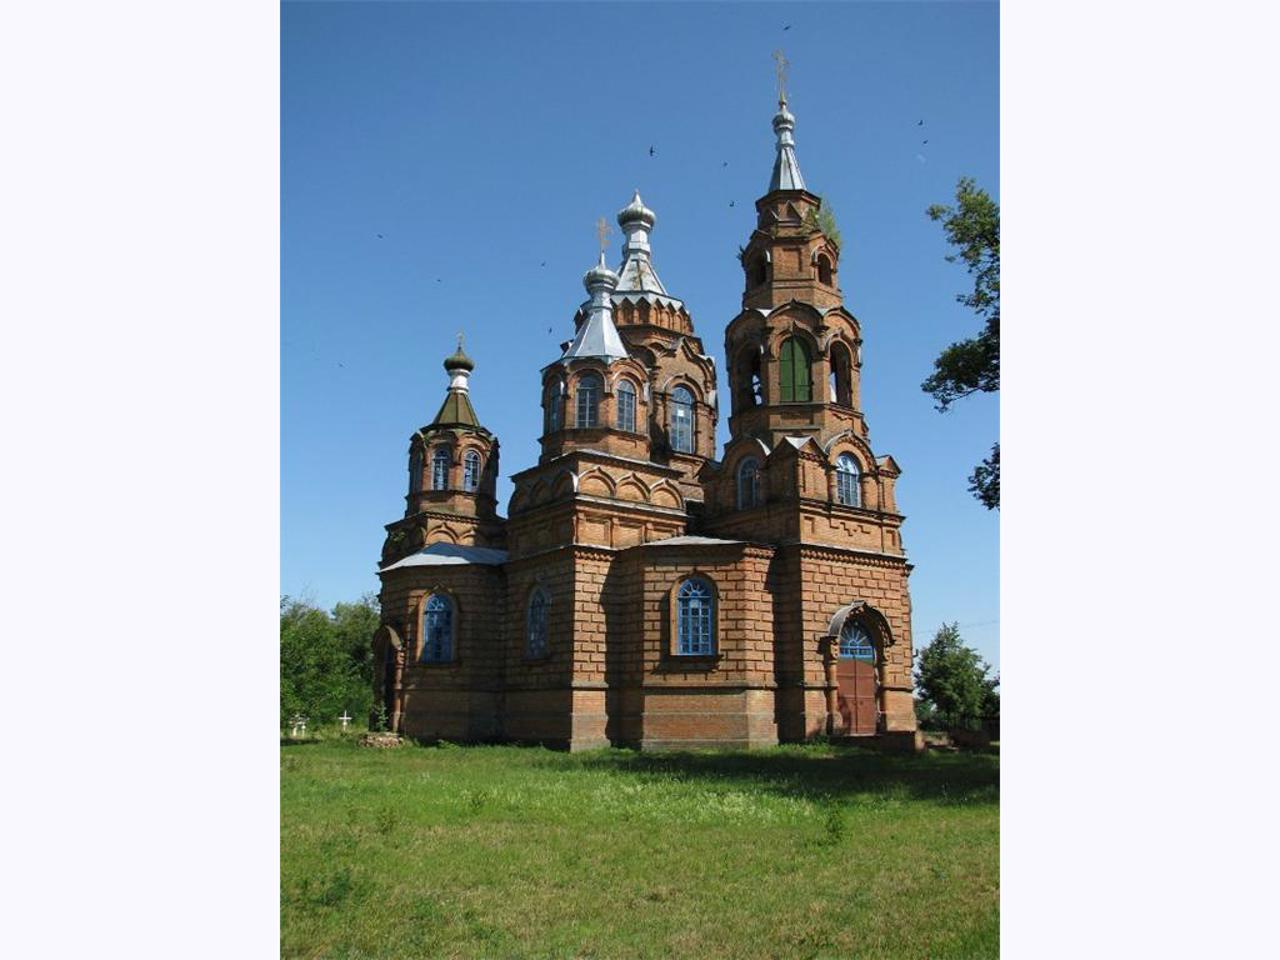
x: 856, y: 681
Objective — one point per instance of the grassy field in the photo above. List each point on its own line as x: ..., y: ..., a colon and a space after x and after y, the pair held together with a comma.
x: 812, y: 851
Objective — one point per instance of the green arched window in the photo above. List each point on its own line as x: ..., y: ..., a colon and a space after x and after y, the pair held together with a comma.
x: 795, y: 372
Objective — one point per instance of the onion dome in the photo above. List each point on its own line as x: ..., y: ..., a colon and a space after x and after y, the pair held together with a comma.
x: 600, y: 277
x: 458, y: 360
x: 636, y: 212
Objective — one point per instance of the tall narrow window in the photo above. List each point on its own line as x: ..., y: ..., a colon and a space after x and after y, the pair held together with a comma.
x: 440, y: 469
x: 553, y: 409
x: 682, y: 420
x: 841, y: 375
x: 695, y: 618
x: 748, y: 379
x: 794, y: 372
x: 626, y: 401
x: 748, y: 483
x: 437, y: 629
x: 471, y: 471
x: 535, y: 644
x: 415, y: 470
x: 588, y: 391
x: 856, y: 643
x: 824, y: 270
x: 847, y: 491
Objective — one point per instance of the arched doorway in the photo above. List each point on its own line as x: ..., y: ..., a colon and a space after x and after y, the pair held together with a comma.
x: 856, y: 679
x: 856, y: 638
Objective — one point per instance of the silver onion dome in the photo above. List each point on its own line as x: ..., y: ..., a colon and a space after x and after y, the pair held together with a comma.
x: 637, y: 212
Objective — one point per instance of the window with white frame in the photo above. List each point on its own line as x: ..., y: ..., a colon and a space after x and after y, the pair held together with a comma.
x: 695, y: 618
x: 847, y: 481
x: 437, y: 629
x: 625, y: 398
x: 588, y: 391
x: 440, y: 469
x: 471, y: 471
x: 856, y: 643
x: 682, y: 420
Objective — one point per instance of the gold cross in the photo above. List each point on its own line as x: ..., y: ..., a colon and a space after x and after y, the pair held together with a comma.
x: 602, y: 232
x: 782, y: 64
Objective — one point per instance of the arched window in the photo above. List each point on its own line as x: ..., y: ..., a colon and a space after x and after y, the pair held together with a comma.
x: 841, y: 375
x: 588, y: 390
x: 682, y: 420
x: 695, y: 618
x: 856, y: 643
x: 440, y: 469
x: 757, y: 271
x: 626, y: 402
x: 794, y: 373
x: 471, y: 471
x: 748, y: 379
x: 552, y: 402
x: 415, y: 470
x: 824, y: 270
x: 748, y: 483
x: 535, y: 643
x: 437, y: 629
x: 847, y: 485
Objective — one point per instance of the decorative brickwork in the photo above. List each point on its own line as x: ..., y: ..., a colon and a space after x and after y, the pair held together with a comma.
x: 641, y: 592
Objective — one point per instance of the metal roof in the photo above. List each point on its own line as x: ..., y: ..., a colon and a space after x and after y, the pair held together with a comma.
x: 786, y: 168
x: 449, y: 554
x: 689, y: 541
x: 597, y: 336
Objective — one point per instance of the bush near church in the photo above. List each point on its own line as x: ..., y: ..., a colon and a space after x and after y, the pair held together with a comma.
x: 325, y: 663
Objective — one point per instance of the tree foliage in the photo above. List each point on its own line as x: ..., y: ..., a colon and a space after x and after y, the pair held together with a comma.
x: 972, y: 366
x: 326, y: 659
x: 823, y: 219
x: 954, y: 681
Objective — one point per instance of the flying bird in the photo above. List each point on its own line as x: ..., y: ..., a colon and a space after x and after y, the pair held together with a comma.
x: 653, y: 152
x: 725, y: 164
x: 544, y: 263
x: 379, y: 236
x: 924, y: 141
x: 731, y: 203
x: 786, y: 28
x: 438, y: 280
x: 919, y: 123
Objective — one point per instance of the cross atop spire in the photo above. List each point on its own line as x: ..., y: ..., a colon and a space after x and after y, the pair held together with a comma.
x: 786, y: 169
x: 602, y: 233
x: 781, y: 63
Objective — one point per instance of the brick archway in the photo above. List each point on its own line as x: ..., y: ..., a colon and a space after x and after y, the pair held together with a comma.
x: 855, y: 676
x: 388, y: 672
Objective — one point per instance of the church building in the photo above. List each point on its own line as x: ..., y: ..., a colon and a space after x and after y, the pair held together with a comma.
x: 642, y: 591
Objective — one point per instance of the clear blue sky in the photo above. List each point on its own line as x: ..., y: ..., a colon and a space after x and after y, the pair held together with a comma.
x: 481, y: 140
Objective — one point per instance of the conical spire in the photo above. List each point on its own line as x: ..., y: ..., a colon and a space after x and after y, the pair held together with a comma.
x: 598, y: 337
x: 786, y: 168
x: 637, y: 274
x: 457, y: 408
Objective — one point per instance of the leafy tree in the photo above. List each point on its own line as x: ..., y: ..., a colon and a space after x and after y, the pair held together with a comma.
x: 954, y: 680
x: 971, y: 366
x: 326, y: 660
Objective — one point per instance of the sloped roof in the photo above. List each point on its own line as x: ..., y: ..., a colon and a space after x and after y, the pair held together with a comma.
x: 449, y: 554
x: 456, y: 409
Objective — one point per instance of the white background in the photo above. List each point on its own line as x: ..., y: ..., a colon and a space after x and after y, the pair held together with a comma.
x: 139, y: 276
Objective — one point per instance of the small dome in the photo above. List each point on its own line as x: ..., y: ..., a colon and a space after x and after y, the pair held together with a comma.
x: 637, y: 211
x: 600, y: 276
x: 458, y: 360
x: 783, y: 118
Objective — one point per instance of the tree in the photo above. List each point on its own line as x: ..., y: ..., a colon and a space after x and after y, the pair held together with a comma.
x: 954, y: 680
x: 972, y: 366
x: 326, y: 659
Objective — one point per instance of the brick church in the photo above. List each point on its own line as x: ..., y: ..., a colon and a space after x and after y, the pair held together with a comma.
x: 641, y: 590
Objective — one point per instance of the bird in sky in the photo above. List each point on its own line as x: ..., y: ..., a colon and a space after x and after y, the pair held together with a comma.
x: 379, y: 236
x: 786, y: 28
x: 438, y: 280
x: 549, y: 329
x: 653, y: 152
x: 725, y: 164
x: 924, y: 141
x: 544, y: 263
x: 731, y: 203
x: 919, y: 123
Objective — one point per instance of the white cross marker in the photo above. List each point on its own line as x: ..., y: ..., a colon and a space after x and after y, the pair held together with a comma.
x: 345, y: 719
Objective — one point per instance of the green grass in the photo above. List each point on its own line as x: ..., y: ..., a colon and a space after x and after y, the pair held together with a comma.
x: 812, y: 851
